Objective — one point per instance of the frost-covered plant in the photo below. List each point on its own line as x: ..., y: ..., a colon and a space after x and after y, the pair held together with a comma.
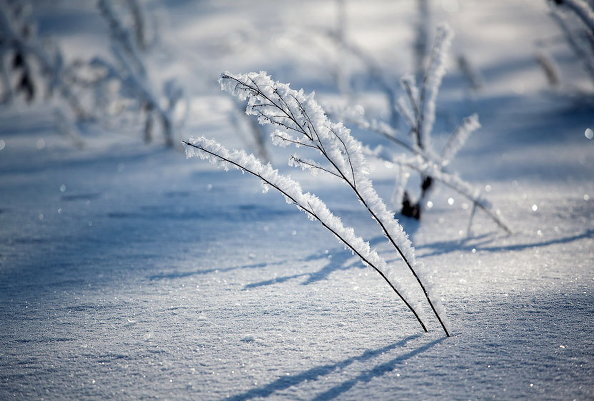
x: 417, y: 107
x: 302, y: 122
x: 575, y: 18
x: 144, y: 35
x: 33, y: 68
x: 136, y: 89
x: 29, y: 65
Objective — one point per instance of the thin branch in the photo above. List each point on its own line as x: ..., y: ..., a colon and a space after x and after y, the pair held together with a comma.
x: 359, y: 195
x: 312, y: 213
x: 346, y: 152
x: 313, y: 165
x: 440, y: 175
x: 295, y: 142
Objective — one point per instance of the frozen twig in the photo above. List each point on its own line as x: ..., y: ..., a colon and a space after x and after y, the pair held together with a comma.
x: 302, y: 121
x: 132, y: 72
x: 431, y: 83
x: 19, y: 38
x: 417, y: 106
x: 458, y: 138
x: 311, y: 205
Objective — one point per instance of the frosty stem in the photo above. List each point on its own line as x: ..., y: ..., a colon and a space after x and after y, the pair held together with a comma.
x: 313, y: 214
x: 441, y: 178
x: 475, y: 202
x: 126, y: 47
x: 312, y: 138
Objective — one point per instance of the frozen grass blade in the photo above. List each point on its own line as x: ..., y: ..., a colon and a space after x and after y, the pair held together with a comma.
x: 311, y: 205
x: 303, y: 123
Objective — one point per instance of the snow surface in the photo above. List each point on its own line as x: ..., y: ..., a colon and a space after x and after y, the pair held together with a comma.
x: 129, y: 272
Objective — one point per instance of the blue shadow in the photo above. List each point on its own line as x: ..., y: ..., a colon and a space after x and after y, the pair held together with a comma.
x: 317, y: 372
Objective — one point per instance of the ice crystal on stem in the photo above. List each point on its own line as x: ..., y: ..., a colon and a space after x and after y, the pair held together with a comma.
x: 302, y: 122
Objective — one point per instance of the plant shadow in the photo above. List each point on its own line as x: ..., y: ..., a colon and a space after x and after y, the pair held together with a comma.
x: 318, y: 372
x: 337, y: 259
x: 340, y: 259
x: 377, y: 371
x: 174, y: 275
x: 443, y: 247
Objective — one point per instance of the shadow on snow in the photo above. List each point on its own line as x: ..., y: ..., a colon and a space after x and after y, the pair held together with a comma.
x: 343, y: 259
x: 339, y: 260
x: 315, y: 373
x: 443, y: 247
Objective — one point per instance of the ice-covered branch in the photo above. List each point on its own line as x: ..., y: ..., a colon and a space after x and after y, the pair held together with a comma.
x: 121, y: 36
x: 311, y: 205
x: 311, y: 165
x: 431, y: 84
x: 18, y: 38
x: 276, y: 103
x: 452, y: 181
x: 356, y: 116
x: 133, y: 74
x: 458, y: 138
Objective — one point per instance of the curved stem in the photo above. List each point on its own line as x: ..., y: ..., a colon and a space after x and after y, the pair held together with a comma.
x: 354, y: 188
x: 392, y: 241
x: 312, y: 213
